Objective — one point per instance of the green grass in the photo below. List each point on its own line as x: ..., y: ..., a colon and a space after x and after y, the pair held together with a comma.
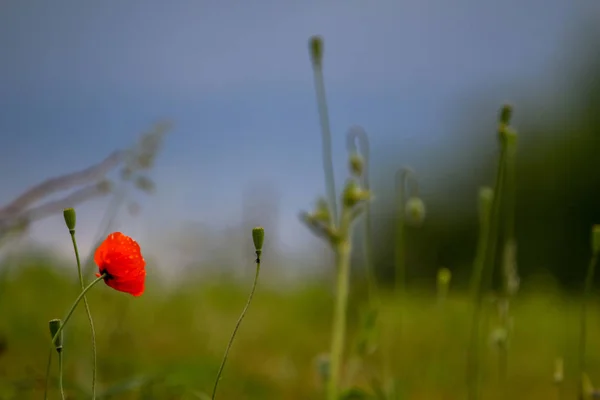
x: 168, y: 344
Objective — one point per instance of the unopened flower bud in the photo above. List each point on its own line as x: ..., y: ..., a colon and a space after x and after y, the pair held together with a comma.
x: 356, y: 164
x: 55, y: 325
x: 316, y: 49
x: 70, y: 218
x: 258, y: 237
x: 596, y: 239
x: 353, y: 194
x: 415, y: 210
x: 322, y: 213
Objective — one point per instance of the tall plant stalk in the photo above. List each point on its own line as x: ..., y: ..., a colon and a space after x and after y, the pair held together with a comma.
x: 336, y: 229
x: 483, y: 270
x: 587, y: 290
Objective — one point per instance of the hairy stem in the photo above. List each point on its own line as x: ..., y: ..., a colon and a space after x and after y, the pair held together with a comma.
x: 237, y: 325
x: 88, y: 312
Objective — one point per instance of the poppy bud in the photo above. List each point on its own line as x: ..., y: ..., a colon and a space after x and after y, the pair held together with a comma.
x: 321, y: 212
x: 55, y: 325
x: 596, y: 239
x: 415, y: 210
x: 353, y: 194
x: 316, y: 50
x: 356, y: 164
x: 258, y: 236
x: 70, y: 218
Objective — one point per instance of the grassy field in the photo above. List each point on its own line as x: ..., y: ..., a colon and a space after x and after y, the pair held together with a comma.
x: 169, y: 344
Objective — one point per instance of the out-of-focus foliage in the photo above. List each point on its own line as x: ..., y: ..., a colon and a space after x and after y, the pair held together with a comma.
x: 558, y: 181
x: 168, y: 344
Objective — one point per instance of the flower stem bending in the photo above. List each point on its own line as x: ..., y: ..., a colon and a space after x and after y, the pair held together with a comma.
x: 74, y: 306
x: 89, y: 314
x: 237, y: 325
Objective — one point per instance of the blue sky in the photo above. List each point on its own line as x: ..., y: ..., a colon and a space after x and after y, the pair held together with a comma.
x: 79, y: 79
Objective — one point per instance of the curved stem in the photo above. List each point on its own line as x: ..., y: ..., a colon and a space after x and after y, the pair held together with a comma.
x: 60, y: 375
x: 237, y: 325
x: 77, y: 300
x: 354, y: 134
x: 88, y: 312
x: 48, y: 373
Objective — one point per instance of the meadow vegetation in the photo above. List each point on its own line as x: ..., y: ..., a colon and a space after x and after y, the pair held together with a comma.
x: 355, y: 339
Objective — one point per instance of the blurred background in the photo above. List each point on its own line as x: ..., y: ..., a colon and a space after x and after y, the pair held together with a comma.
x: 87, y: 88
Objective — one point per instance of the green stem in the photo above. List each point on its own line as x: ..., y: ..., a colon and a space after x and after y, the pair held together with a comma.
x: 48, y: 373
x: 60, y: 375
x: 589, y: 279
x: 399, y: 253
x: 88, y: 312
x: 483, y: 277
x: 77, y: 300
x: 237, y: 325
x: 326, y: 139
x: 342, y: 255
x: 339, y: 319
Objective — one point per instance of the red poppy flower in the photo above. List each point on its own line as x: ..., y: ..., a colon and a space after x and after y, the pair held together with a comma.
x: 120, y: 258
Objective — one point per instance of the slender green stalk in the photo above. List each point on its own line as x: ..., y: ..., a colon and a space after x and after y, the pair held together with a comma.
x: 342, y: 256
x: 400, y: 270
x: 316, y: 48
x: 484, y: 270
x: 509, y: 261
x: 60, y: 375
x: 589, y: 279
x: 48, y: 373
x: 237, y: 325
x: 484, y: 232
x: 74, y: 306
x: 88, y: 312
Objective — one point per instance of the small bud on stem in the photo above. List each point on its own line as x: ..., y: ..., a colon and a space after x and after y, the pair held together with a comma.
x: 70, y: 218
x: 258, y: 237
x: 54, y: 325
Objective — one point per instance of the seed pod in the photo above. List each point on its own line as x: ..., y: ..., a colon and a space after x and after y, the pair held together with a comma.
x: 70, y: 218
